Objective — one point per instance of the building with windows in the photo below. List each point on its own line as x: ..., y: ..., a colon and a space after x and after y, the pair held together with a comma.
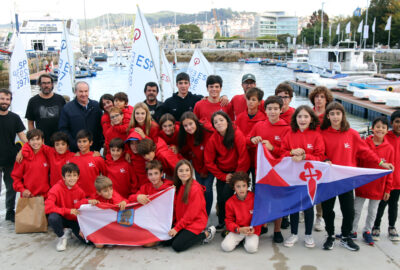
x: 274, y: 23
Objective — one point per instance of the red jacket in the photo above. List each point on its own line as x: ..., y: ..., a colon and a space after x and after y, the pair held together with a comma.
x: 56, y: 161
x: 90, y: 167
x: 274, y: 133
x: 191, y: 216
x: 239, y: 213
x: 149, y: 189
x: 117, y: 131
x: 170, y: 140
x: 168, y: 158
x: 375, y: 189
x: 62, y: 199
x: 138, y: 162
x: 121, y: 174
x: 238, y: 104
x: 343, y: 148
x: 309, y: 140
x: 204, y: 109
x: 395, y: 142
x: 32, y: 174
x: 220, y: 160
x: 115, y: 199
x: 106, y: 121
x: 195, y: 153
x: 287, y: 116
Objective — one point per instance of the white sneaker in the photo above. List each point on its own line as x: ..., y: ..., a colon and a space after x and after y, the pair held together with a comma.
x: 62, y: 244
x: 301, y: 217
x: 319, y: 224
x: 309, y: 241
x: 67, y: 233
x: 211, y: 233
x: 291, y: 240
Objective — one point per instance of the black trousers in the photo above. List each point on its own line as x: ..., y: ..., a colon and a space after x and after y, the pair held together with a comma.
x: 346, y: 201
x: 184, y: 239
x: 58, y: 223
x: 393, y: 206
x: 8, y: 181
x: 308, y: 219
x: 224, y: 192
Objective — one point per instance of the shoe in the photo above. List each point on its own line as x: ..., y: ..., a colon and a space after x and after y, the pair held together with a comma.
x: 353, y: 235
x: 211, y: 233
x: 10, y: 215
x: 309, y: 241
x: 224, y: 233
x: 319, y: 224
x: 301, y: 217
x: 68, y: 233
x: 285, y: 223
x: 329, y: 243
x: 278, y: 238
x: 62, y: 244
x: 368, y: 238
x: 291, y: 240
x: 393, y: 235
x: 264, y: 230
x: 348, y: 243
x: 220, y: 227
x: 376, y: 232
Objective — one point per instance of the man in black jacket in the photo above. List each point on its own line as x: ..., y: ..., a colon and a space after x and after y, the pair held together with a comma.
x: 151, y: 91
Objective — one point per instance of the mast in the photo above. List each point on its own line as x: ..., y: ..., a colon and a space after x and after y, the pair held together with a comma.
x: 321, y: 39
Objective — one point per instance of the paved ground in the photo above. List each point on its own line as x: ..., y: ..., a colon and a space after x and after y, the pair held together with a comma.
x: 37, y: 251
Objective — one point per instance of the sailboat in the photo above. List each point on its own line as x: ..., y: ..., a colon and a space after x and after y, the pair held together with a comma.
x: 66, y: 70
x: 199, y: 69
x: 146, y: 63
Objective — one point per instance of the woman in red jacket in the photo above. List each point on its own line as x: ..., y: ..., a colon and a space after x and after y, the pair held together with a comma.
x: 141, y: 122
x: 190, y: 217
x: 106, y: 103
x: 169, y: 130
x: 225, y: 153
x: 303, y: 143
x: 342, y: 147
x: 192, y: 140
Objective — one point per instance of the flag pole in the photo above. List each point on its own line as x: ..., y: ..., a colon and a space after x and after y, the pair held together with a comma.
x: 389, y: 39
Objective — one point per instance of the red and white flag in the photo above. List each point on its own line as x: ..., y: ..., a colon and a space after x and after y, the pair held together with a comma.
x: 135, y: 226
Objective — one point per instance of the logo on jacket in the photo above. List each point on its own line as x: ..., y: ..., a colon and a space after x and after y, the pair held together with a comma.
x: 44, y: 164
x: 277, y: 138
x: 75, y: 201
x: 122, y: 170
x: 310, y: 146
x: 251, y: 211
x: 202, y: 148
x: 347, y: 145
x: 91, y: 164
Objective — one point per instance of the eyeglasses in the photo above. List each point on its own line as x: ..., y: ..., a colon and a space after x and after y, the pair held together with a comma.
x: 114, y: 116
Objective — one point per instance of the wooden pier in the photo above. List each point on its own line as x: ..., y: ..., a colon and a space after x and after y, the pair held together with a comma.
x: 358, y: 107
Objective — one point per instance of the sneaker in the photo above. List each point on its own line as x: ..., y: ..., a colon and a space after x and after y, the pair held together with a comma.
x: 376, y: 232
x: 348, y: 243
x: 220, y: 227
x: 278, y: 238
x: 301, y: 217
x: 68, y: 233
x: 309, y: 241
x: 329, y: 243
x: 319, y: 224
x: 264, y: 230
x: 211, y: 233
x: 224, y: 233
x: 393, y: 235
x: 368, y: 238
x: 285, y: 223
x: 291, y: 240
x: 10, y: 215
x: 353, y: 235
x: 62, y: 244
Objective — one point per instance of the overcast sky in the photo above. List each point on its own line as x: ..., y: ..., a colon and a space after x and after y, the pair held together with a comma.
x: 29, y: 9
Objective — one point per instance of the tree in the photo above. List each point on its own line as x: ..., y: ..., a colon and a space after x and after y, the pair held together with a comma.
x: 315, y: 18
x: 282, y: 39
x: 190, y: 33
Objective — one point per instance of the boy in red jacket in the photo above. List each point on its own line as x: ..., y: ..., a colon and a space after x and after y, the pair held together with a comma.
x: 238, y: 215
x: 121, y: 101
x: 393, y: 137
x: 90, y: 167
x: 117, y: 128
x: 119, y: 170
x: 376, y: 190
x: 31, y: 176
x: 149, y: 150
x: 60, y: 205
x: 285, y: 91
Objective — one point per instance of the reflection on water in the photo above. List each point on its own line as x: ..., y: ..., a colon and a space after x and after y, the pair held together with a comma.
x: 115, y: 79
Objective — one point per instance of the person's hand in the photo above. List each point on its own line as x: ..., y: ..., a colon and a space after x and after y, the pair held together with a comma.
x: 122, y: 205
x: 141, y: 132
x: 245, y: 230
x: 329, y: 162
x: 26, y: 193
x: 19, y: 157
x: 228, y: 177
x: 172, y: 232
x: 267, y: 144
x: 93, y: 202
x: 74, y: 212
x: 143, y: 199
x: 297, y: 152
x: 297, y: 158
x: 128, y: 157
x: 96, y: 154
x: 174, y: 149
x: 386, y: 196
x: 388, y: 166
x: 256, y: 139
x: 224, y: 101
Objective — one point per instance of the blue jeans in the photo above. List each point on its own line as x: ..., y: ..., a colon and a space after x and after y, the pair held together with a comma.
x: 208, y: 183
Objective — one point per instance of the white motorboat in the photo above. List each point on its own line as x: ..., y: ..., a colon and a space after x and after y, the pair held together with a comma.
x: 299, y: 61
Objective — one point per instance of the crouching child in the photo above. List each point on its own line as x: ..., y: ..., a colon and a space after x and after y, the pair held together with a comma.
x: 61, y: 203
x: 238, y: 215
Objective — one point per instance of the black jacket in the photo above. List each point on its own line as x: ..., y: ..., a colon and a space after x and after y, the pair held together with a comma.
x: 176, y: 105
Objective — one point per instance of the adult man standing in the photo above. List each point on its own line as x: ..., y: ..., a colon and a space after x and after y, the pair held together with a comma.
x: 151, y: 91
x: 10, y: 125
x: 44, y: 109
x: 82, y: 113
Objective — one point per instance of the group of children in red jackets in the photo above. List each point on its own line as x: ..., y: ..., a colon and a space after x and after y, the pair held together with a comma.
x: 213, y: 141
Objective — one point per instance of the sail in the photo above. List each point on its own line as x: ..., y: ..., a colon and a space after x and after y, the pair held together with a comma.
x: 20, y: 85
x: 144, y: 64
x: 167, y: 83
x: 199, y: 69
x: 66, y: 67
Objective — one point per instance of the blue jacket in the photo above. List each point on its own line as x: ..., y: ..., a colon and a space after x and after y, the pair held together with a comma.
x: 75, y: 117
